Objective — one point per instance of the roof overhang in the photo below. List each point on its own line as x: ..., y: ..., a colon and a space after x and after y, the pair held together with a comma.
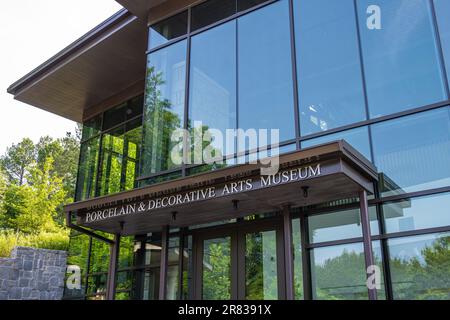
x: 140, y: 8
x: 101, y: 64
x: 331, y: 172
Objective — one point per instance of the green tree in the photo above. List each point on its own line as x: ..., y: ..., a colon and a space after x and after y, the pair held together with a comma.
x: 34, y: 207
x: 65, y: 152
x: 17, y: 159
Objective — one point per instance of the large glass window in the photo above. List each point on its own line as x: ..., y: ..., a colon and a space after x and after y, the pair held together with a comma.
x: 164, y: 107
x: 77, y: 256
x: 401, y: 59
x: 217, y: 269
x: 213, y: 83
x: 91, y: 128
x: 87, y: 169
x: 338, y: 272
x: 419, y: 156
x: 443, y: 16
x: 119, y: 158
x: 420, y: 267
x: 417, y: 213
x: 110, y: 151
x: 265, y: 70
x: 329, y: 70
x: 358, y: 138
x: 261, y: 266
x: 345, y: 224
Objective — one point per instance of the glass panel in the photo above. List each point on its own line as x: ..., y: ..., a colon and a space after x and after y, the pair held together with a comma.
x: 358, y: 138
x: 120, y: 152
x: 338, y: 273
x: 153, y: 251
x: 99, y: 257
x: 211, y: 11
x: 77, y: 256
x: 378, y: 258
x: 420, y: 140
x: 261, y: 278
x: 114, y: 116
x: 442, y: 8
x: 164, y: 31
x: 126, y: 253
x: 87, y: 169
x: 251, y: 158
x: 417, y: 213
x: 329, y: 72
x: 217, y: 269
x: 97, y: 283
x: 91, y: 128
x: 135, y: 107
x: 124, y: 296
x: 159, y: 179
x: 151, y: 284
x: 173, y: 269
x: 164, y: 107
x: 187, y: 267
x: 401, y: 59
x: 213, y: 87
x: 339, y: 225
x: 420, y: 267
x: 125, y: 280
x: 172, y: 283
x: 265, y: 71
x: 298, y: 263
x: 247, y: 4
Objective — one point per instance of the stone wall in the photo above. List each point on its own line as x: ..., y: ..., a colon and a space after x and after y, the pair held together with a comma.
x: 32, y: 274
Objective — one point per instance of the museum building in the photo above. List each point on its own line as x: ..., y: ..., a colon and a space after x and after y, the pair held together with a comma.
x: 358, y: 93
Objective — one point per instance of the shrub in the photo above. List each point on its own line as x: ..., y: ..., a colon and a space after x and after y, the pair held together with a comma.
x: 44, y: 240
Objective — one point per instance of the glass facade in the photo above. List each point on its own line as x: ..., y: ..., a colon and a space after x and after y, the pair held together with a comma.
x: 319, y: 72
x: 401, y: 60
x: 110, y: 151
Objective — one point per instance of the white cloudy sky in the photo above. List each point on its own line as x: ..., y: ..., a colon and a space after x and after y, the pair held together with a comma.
x: 31, y: 31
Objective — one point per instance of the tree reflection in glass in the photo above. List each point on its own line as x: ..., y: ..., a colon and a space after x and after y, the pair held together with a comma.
x: 420, y: 267
x: 164, y: 107
x: 217, y: 269
x: 261, y: 266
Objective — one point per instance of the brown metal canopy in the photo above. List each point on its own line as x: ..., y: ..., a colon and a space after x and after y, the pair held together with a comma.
x: 103, y: 63
x: 330, y: 172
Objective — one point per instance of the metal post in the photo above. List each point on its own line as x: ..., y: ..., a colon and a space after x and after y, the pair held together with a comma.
x: 368, y: 252
x: 288, y: 253
x: 164, y: 259
x: 306, y: 258
x: 112, y: 270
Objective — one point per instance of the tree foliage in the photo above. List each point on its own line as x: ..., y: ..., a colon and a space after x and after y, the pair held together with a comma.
x: 36, y: 181
x: 17, y: 159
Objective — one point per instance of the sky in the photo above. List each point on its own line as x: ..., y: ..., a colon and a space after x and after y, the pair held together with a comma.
x: 32, y: 31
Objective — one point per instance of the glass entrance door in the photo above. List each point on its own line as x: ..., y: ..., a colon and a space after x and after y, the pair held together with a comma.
x: 240, y: 263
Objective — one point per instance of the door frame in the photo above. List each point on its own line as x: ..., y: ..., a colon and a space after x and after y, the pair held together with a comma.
x: 237, y: 233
